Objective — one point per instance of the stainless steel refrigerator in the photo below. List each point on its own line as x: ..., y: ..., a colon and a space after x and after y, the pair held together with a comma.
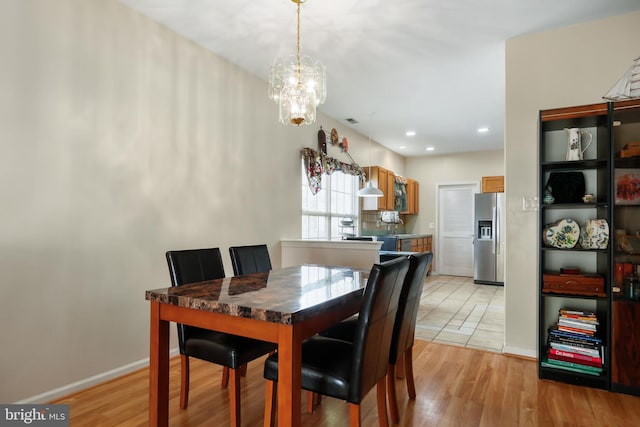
x: 488, y: 239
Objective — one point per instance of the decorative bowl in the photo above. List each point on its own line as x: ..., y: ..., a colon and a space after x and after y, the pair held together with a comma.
x: 563, y: 233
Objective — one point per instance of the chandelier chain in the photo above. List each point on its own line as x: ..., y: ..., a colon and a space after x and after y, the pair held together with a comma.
x: 298, y: 45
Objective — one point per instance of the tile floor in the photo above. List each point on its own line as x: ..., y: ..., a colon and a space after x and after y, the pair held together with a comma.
x: 454, y: 310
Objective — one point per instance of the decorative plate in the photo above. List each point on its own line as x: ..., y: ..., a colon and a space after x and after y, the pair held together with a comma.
x: 334, y: 137
x: 594, y: 234
x: 563, y: 234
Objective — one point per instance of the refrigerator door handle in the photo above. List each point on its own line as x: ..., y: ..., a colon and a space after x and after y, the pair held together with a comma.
x: 494, y: 217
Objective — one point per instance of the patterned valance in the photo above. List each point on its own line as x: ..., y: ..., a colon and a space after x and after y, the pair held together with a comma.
x: 316, y: 163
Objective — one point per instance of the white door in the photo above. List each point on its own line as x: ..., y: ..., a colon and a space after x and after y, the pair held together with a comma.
x: 455, y: 229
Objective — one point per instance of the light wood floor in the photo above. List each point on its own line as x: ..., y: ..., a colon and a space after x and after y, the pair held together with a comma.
x: 456, y: 386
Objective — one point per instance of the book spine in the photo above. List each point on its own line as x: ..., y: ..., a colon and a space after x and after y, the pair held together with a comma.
x: 593, y: 361
x: 580, y: 362
x: 574, y: 365
x: 593, y: 320
x: 571, y: 335
x: 574, y: 343
x: 578, y: 325
x: 573, y: 349
x: 575, y: 330
x: 577, y: 312
x: 580, y: 369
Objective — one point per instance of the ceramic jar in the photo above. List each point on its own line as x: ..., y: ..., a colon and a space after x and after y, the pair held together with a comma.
x: 594, y: 234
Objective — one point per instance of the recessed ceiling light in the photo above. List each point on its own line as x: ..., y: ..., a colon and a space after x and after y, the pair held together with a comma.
x: 483, y: 130
x: 411, y: 133
x: 430, y: 148
x: 402, y: 147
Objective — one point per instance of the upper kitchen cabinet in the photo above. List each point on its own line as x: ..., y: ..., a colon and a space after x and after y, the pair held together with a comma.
x: 412, y: 197
x: 384, y: 179
x: 493, y: 184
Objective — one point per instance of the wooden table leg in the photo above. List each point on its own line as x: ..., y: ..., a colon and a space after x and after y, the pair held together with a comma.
x: 158, y: 369
x: 289, y: 381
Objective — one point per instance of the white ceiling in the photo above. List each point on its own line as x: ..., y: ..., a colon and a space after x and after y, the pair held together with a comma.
x: 435, y: 67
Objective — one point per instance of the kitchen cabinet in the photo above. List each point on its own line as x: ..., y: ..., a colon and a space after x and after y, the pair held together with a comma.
x: 415, y: 243
x: 493, y: 184
x: 412, y: 197
x: 423, y: 244
x: 384, y: 179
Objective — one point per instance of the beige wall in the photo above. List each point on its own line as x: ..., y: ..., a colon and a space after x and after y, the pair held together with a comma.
x: 120, y: 141
x: 430, y: 171
x: 570, y: 66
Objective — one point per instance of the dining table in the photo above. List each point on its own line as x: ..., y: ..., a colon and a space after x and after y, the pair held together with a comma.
x: 284, y: 306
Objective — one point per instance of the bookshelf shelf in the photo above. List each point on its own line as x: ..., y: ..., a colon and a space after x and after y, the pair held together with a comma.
x: 547, y: 248
x: 576, y: 378
x: 575, y: 206
x: 570, y: 296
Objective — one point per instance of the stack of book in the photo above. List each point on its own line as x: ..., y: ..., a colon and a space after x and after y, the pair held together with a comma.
x: 574, y: 344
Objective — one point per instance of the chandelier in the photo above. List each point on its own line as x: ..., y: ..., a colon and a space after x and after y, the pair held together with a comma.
x: 298, y: 85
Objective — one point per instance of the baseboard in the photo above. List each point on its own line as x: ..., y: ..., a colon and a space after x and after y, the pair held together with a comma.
x: 68, y: 389
x: 519, y: 351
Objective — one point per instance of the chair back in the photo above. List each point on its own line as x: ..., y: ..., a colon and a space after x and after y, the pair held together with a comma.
x: 192, y: 266
x: 373, y: 333
x: 405, y: 325
x: 250, y: 259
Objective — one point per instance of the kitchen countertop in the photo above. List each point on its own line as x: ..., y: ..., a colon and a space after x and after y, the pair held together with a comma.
x: 397, y: 253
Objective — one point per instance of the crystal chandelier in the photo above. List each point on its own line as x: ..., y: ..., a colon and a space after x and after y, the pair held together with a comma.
x: 298, y: 85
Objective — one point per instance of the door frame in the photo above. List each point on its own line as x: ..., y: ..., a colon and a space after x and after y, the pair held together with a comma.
x: 475, y: 187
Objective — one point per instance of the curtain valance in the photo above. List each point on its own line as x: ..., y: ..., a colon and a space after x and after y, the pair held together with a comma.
x: 316, y: 163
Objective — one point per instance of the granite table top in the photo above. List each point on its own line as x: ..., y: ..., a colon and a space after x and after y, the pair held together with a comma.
x: 288, y: 295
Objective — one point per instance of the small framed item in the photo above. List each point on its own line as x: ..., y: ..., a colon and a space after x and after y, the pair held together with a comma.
x: 627, y: 186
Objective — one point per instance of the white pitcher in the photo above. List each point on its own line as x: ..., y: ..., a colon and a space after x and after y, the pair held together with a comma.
x: 574, y: 143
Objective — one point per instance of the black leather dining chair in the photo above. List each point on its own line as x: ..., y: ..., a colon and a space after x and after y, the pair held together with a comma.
x: 349, y: 370
x: 250, y: 259
x: 230, y: 351
x: 403, y: 331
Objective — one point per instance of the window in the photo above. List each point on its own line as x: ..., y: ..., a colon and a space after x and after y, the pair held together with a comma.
x: 321, y: 213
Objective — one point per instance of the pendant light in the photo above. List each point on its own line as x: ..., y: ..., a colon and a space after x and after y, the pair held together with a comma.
x: 298, y: 85
x: 369, y: 190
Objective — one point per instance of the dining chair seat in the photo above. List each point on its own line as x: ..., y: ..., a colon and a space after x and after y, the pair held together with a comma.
x: 228, y: 350
x: 348, y: 370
